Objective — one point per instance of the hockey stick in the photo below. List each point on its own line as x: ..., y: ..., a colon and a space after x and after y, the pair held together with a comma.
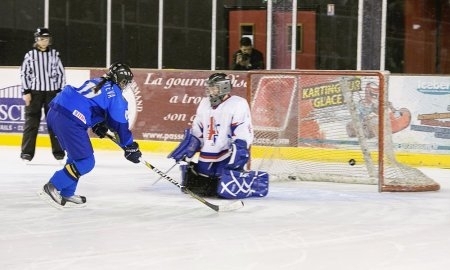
x: 184, y: 160
x: 218, y: 208
x: 166, y: 172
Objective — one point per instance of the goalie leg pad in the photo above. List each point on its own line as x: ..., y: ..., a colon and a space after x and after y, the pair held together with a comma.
x: 197, y: 183
x: 243, y: 184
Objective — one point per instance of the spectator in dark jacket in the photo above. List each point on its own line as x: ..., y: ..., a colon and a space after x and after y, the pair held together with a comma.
x: 247, y: 57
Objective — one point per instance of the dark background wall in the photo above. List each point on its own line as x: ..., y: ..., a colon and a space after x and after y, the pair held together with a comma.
x: 79, y: 28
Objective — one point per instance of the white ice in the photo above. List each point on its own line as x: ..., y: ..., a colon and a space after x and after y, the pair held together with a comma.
x: 131, y: 224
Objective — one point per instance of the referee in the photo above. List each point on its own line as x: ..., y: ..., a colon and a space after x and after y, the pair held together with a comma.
x: 42, y: 76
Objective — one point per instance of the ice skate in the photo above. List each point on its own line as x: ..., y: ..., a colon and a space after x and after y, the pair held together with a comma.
x: 75, y: 201
x: 51, y: 195
x: 26, y: 158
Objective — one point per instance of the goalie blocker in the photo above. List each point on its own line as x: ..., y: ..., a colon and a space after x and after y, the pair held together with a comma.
x: 231, y: 184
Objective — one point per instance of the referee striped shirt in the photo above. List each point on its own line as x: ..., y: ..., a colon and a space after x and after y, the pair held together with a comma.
x: 42, y: 71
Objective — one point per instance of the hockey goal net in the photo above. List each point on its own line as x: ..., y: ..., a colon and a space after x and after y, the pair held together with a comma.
x: 333, y: 126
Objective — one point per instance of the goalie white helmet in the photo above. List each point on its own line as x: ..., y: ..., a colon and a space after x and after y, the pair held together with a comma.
x: 217, y: 87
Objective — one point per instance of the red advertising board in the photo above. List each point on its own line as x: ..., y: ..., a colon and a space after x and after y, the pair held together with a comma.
x: 162, y: 103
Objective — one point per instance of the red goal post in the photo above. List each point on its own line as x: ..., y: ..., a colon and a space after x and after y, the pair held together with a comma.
x: 335, y: 126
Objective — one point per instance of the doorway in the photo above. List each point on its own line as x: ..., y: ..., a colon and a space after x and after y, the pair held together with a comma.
x: 253, y: 23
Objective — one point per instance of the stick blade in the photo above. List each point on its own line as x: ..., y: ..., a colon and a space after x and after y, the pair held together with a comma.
x: 231, y: 206
x: 216, y: 207
x: 225, y: 207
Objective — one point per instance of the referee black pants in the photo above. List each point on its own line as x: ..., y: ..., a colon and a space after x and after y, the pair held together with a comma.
x: 33, y: 114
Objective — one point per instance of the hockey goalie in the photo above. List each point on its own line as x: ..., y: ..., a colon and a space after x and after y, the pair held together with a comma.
x: 221, y: 134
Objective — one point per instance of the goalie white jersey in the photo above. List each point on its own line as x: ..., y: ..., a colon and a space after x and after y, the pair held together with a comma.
x: 218, y: 127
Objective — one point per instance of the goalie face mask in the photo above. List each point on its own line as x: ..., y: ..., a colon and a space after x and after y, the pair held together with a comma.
x: 218, y: 86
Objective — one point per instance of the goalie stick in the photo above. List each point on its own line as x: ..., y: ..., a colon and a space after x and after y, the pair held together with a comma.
x: 218, y: 208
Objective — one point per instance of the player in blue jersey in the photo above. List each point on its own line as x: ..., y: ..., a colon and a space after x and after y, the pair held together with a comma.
x: 99, y: 104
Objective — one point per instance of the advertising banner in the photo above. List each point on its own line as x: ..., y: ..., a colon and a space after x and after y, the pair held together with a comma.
x: 12, y: 106
x: 162, y: 104
x: 428, y: 100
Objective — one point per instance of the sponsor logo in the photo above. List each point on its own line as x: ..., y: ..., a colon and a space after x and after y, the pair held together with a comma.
x: 12, y: 111
x: 434, y: 87
x: 79, y: 115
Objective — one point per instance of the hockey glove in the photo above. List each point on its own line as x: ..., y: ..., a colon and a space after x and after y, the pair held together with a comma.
x: 239, y: 155
x: 187, y: 147
x: 132, y: 152
x: 100, y: 129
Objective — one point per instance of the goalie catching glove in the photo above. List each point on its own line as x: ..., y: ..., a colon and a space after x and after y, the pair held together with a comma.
x: 132, y: 152
x: 239, y: 155
x: 187, y: 147
x: 100, y: 129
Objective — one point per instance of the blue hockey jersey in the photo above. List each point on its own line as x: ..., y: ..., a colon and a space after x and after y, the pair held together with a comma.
x: 89, y: 108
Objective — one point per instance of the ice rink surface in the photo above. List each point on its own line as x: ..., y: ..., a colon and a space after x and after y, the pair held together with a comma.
x: 131, y: 224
